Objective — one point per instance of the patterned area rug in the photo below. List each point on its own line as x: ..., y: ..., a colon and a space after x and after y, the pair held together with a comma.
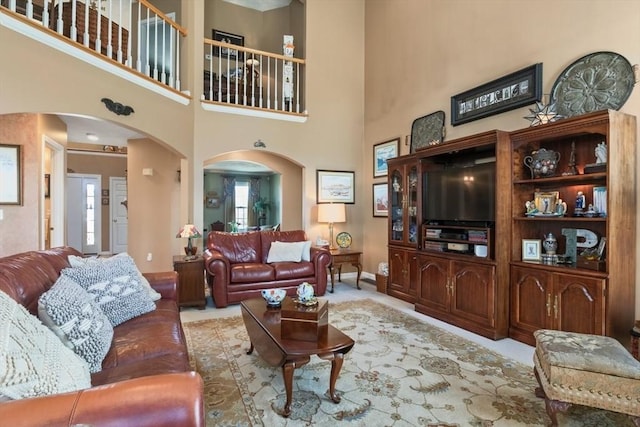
x: 401, y: 372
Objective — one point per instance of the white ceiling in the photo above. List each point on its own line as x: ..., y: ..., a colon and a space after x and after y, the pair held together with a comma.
x: 261, y: 5
x: 108, y: 133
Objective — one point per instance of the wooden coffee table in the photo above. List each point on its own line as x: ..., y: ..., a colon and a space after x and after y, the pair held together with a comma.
x: 263, y: 327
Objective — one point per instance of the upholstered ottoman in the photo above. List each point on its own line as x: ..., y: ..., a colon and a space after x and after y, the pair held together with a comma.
x: 589, y: 370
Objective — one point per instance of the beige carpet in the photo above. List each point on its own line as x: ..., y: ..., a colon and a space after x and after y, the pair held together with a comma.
x: 401, y: 372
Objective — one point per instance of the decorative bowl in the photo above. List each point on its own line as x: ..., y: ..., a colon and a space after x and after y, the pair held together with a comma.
x: 274, y: 297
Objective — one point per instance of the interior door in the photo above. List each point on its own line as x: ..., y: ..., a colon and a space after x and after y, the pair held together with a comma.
x: 118, y: 212
x: 84, y: 218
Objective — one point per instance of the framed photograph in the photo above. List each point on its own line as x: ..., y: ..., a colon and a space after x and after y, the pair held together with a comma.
x: 47, y: 185
x: 10, y: 174
x: 335, y: 187
x: 213, y: 202
x: 531, y: 249
x: 382, y: 152
x: 546, y: 202
x: 381, y: 199
x: 223, y: 36
x: 512, y: 91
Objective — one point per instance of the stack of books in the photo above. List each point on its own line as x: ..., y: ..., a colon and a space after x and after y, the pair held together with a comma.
x: 432, y: 233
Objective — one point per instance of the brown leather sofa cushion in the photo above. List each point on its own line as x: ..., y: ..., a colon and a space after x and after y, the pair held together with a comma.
x: 237, y: 248
x: 292, y: 270
x: 251, y: 273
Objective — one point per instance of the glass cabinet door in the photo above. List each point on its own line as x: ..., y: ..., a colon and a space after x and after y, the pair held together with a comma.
x: 396, y: 202
x: 412, y: 204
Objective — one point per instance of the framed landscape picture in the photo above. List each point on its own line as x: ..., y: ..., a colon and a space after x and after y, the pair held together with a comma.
x: 381, y: 199
x: 335, y: 187
x: 381, y: 153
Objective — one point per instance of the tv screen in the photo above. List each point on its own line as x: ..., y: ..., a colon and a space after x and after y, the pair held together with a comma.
x: 461, y: 192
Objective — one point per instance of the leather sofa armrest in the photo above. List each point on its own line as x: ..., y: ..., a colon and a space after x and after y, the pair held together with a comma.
x: 166, y: 283
x: 165, y: 400
x: 218, y: 270
x: 321, y: 258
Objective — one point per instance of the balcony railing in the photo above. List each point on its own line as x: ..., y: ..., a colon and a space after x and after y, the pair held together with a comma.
x: 240, y: 76
x: 136, y: 35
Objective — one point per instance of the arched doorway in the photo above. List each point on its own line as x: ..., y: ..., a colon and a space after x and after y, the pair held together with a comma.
x: 285, y: 183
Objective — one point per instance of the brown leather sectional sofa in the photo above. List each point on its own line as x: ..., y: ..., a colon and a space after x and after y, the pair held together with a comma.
x: 146, y: 378
x: 237, y: 269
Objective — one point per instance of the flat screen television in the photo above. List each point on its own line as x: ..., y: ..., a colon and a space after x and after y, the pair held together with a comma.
x: 460, y: 192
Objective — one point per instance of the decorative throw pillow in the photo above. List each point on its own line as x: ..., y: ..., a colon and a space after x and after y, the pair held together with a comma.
x: 114, y: 284
x: 77, y: 261
x: 70, y: 312
x: 33, y: 361
x: 306, y: 251
x: 285, y: 251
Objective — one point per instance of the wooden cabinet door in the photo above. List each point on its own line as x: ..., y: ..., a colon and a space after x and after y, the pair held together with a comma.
x: 412, y: 285
x: 397, y: 270
x: 531, y: 295
x: 579, y: 304
x: 473, y: 294
x: 433, y: 280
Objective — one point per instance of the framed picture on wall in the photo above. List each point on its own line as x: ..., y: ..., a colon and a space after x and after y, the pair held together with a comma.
x: 335, y: 187
x: 225, y: 52
x: 382, y: 152
x: 10, y: 174
x: 381, y: 199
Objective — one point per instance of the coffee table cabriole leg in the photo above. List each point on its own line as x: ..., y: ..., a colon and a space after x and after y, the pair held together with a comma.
x: 336, y: 365
x: 287, y: 375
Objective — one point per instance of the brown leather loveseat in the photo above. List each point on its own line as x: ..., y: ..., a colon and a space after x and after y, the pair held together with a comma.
x: 146, y: 378
x: 237, y: 268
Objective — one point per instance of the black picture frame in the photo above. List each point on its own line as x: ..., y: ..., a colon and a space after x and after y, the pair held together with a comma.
x: 523, y: 87
x: 335, y: 186
x: 223, y: 36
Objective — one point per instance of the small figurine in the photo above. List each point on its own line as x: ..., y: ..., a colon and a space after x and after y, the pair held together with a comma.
x: 580, y: 203
x: 601, y: 153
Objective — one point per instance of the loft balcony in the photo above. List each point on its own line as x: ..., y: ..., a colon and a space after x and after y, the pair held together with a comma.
x: 140, y: 43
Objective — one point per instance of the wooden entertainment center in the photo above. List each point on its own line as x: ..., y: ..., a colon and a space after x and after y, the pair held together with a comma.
x: 471, y: 274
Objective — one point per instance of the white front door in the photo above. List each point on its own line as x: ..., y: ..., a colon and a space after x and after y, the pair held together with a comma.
x: 118, y: 212
x: 84, y: 212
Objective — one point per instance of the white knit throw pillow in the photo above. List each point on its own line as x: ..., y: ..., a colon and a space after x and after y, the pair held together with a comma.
x: 33, y: 361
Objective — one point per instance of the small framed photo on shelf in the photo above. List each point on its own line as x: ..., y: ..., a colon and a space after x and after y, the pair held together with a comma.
x: 381, y: 199
x: 546, y: 202
x: 531, y: 250
x: 381, y: 153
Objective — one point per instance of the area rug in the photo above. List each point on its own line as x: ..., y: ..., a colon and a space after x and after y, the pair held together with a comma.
x: 400, y: 372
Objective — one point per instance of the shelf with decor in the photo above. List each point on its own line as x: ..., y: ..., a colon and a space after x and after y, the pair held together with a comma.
x: 466, y: 240
x: 564, y: 195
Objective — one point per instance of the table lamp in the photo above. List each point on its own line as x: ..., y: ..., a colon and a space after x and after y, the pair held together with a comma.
x: 189, y: 231
x: 331, y: 213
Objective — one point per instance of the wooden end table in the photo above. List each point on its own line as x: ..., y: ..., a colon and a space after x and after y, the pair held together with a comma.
x: 191, y: 281
x: 263, y: 327
x: 345, y: 256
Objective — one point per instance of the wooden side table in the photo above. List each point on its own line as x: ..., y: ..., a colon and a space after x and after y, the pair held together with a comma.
x: 191, y: 277
x: 345, y: 256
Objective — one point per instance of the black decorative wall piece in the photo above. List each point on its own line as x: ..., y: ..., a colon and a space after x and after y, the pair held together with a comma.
x: 117, y: 108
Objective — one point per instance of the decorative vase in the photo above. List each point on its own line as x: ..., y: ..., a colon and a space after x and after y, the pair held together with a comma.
x: 190, y: 250
x: 550, y: 244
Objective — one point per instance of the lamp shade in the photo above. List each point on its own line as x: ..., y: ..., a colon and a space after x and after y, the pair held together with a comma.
x: 189, y: 231
x: 331, y: 212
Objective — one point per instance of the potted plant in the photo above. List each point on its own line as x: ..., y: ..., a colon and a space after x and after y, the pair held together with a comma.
x: 261, y: 206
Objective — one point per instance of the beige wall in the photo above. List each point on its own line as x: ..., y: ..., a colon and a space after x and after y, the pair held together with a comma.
x: 440, y: 48
x: 418, y: 54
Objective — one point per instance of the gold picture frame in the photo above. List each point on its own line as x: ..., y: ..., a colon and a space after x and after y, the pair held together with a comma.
x: 546, y: 202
